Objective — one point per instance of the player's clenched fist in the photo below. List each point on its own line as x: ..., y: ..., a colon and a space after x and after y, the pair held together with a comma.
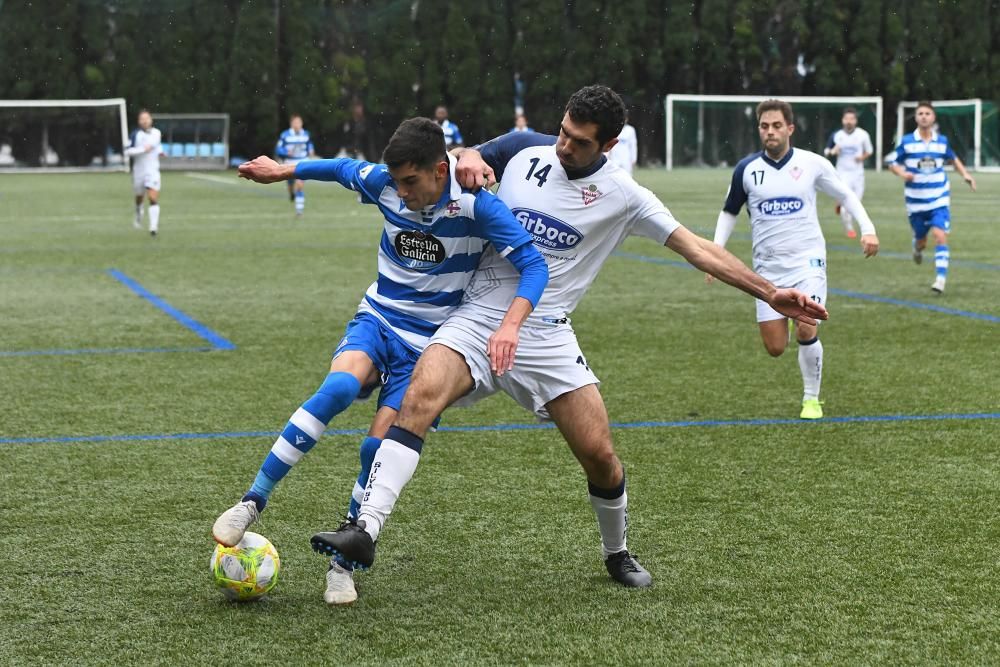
x: 869, y: 244
x: 265, y: 170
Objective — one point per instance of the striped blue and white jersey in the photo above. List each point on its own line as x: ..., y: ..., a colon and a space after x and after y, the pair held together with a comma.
x: 929, y: 188
x: 294, y: 145
x: 425, y: 258
x: 452, y: 136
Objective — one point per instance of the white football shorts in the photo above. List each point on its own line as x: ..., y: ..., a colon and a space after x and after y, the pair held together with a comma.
x: 145, y: 181
x: 548, y: 362
x: 855, y: 180
x: 814, y: 285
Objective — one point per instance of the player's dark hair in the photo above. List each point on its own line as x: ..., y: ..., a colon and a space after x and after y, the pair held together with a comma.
x: 852, y: 110
x: 142, y: 111
x: 417, y: 141
x: 293, y: 116
x: 925, y: 103
x: 777, y: 105
x: 601, y: 106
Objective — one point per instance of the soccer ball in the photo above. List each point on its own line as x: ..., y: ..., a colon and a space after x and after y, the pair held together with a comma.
x: 247, y: 571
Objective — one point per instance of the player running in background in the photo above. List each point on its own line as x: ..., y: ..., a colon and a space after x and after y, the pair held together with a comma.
x: 919, y: 160
x: 452, y: 136
x: 778, y: 186
x: 434, y: 235
x: 851, y: 145
x: 144, y: 149
x: 578, y: 207
x: 625, y: 153
x: 295, y: 145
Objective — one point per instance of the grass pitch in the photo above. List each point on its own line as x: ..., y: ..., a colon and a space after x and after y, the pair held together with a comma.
x: 770, y: 541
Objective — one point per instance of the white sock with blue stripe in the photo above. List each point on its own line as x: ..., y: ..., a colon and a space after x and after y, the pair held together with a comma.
x: 300, y: 201
x: 811, y: 367
x: 941, y: 258
x: 394, y: 464
x: 301, y: 433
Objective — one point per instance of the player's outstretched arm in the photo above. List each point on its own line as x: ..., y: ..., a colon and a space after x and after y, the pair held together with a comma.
x: 831, y: 183
x: 719, y: 262
x: 265, y: 170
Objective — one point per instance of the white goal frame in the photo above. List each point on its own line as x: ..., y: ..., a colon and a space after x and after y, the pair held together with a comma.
x: 977, y: 140
x: 755, y: 99
x: 109, y: 102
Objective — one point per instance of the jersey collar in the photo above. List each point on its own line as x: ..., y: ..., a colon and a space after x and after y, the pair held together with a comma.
x: 574, y: 174
x: 454, y: 191
x: 780, y: 163
x: 916, y: 135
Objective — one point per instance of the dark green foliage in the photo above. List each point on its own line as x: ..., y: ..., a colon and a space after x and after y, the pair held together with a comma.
x: 261, y: 59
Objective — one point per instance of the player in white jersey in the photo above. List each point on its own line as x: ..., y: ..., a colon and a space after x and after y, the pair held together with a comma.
x: 434, y: 235
x: 625, y: 153
x: 295, y: 145
x: 778, y: 186
x: 578, y: 207
x: 851, y: 145
x: 144, y: 148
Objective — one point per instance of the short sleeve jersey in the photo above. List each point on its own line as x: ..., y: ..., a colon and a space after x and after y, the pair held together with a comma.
x: 576, y: 220
x: 780, y: 197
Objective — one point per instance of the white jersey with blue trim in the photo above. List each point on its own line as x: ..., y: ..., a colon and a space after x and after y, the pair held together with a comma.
x: 575, y: 221
x: 929, y: 188
x: 851, y: 146
x: 294, y: 146
x: 780, y: 197
x: 144, y: 162
x: 426, y: 257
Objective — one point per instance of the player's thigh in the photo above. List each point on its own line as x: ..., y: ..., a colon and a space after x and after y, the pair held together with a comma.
x: 439, y: 378
x: 774, y: 335
x: 815, y: 287
x: 153, y: 196
x: 582, y: 419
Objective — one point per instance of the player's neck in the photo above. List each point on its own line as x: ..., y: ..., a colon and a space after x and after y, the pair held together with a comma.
x: 779, y: 156
x: 926, y: 133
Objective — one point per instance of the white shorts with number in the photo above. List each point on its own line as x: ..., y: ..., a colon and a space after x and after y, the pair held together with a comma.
x: 548, y: 362
x: 145, y: 181
x: 813, y: 285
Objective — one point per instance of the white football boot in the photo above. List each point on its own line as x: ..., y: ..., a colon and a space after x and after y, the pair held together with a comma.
x: 339, y: 585
x: 231, y: 524
x: 938, y: 285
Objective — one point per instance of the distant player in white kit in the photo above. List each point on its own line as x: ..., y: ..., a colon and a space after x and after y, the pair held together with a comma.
x: 778, y: 186
x: 295, y: 145
x: 851, y: 145
x: 625, y: 153
x: 144, y: 149
x: 578, y: 207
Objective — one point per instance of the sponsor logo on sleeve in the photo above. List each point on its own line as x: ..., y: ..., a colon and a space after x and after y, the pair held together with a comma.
x: 546, y: 231
x: 781, y: 206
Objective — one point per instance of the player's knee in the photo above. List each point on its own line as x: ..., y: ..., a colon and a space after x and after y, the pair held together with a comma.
x: 421, y: 405
x: 775, y: 348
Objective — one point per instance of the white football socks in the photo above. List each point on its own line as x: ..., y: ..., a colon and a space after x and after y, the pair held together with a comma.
x: 392, y: 468
x: 811, y: 366
x: 138, y: 215
x: 154, y: 217
x: 612, y: 519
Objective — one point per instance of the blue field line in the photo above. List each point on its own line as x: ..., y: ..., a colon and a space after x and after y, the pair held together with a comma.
x: 535, y: 426
x: 217, y: 341
x: 915, y: 304
x: 839, y: 292
x: 98, y: 350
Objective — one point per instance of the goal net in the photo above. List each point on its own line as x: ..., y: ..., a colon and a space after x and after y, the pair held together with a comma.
x: 193, y: 141
x: 720, y: 130
x: 972, y: 126
x: 62, y: 135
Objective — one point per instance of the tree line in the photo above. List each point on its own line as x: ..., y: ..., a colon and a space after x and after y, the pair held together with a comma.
x: 260, y: 60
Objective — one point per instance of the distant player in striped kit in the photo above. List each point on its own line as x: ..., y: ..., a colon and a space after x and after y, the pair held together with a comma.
x: 295, y: 145
x: 434, y: 234
x: 144, y: 148
x: 919, y: 160
x: 851, y: 145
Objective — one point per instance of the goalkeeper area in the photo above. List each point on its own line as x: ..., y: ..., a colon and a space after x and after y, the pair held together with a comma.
x: 720, y: 130
x: 871, y: 536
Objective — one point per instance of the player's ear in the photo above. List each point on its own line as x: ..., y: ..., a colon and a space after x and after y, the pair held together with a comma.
x: 608, y: 146
x: 791, y: 129
x: 442, y: 168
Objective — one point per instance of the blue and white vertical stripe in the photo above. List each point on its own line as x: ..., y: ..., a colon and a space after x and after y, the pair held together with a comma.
x: 929, y: 188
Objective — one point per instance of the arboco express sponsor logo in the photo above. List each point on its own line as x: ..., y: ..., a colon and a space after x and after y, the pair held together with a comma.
x: 781, y: 206
x: 547, y: 231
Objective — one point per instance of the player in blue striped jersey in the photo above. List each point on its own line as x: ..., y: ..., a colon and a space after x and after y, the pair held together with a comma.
x: 434, y: 233
x: 295, y: 145
x: 919, y: 160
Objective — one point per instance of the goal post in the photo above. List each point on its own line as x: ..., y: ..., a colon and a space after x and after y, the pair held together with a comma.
x: 971, y: 125
x: 719, y: 130
x: 45, y: 136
